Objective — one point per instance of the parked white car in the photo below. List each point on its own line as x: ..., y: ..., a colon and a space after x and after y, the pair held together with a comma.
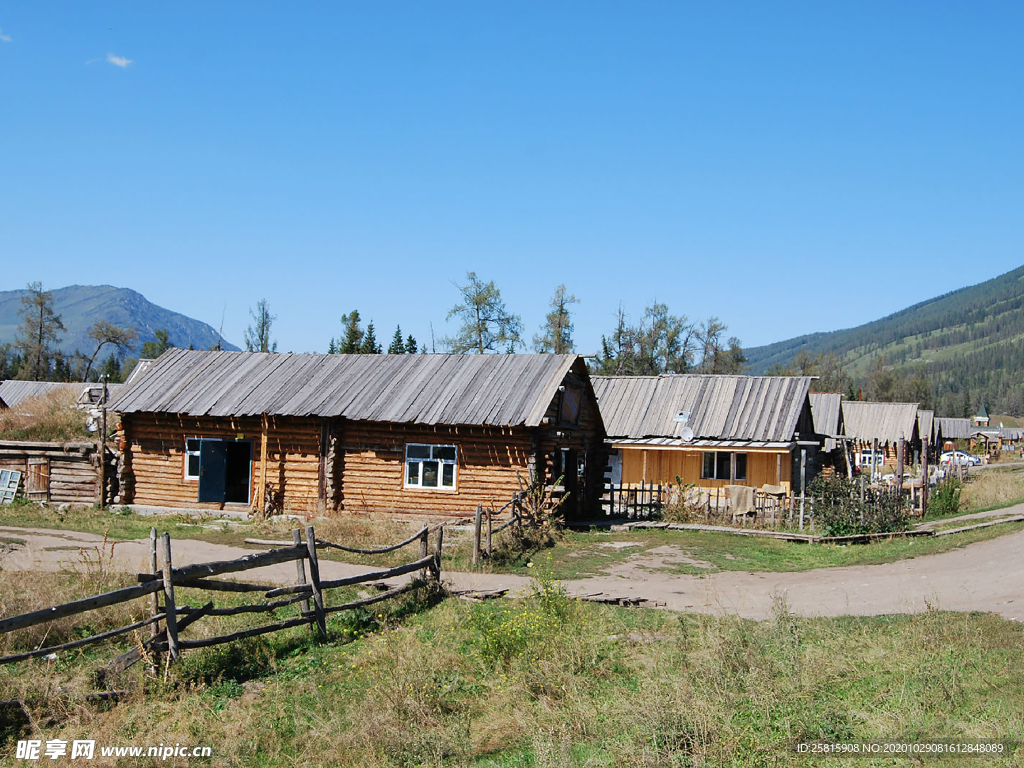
x: 959, y: 457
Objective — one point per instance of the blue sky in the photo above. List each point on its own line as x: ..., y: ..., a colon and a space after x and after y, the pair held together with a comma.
x: 788, y: 167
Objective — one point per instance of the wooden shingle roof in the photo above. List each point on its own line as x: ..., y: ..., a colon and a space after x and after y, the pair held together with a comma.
x: 747, y: 408
x: 954, y: 429
x: 827, y: 411
x: 494, y: 390
x: 887, y: 422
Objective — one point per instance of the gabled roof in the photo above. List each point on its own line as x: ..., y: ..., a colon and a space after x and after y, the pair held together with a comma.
x: 494, y: 390
x: 926, y: 425
x: 748, y: 408
x: 982, y: 412
x: 827, y: 412
x: 887, y: 422
x: 954, y: 429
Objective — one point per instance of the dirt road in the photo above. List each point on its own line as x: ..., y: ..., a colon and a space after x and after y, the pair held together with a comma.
x: 986, y: 576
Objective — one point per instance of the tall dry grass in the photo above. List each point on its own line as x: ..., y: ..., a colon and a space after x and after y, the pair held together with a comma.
x: 992, y: 489
x: 49, y: 417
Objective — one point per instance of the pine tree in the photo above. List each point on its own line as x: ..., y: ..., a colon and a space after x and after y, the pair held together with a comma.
x: 397, y: 345
x: 153, y: 349
x: 369, y: 345
x: 352, y: 339
x: 332, y: 348
x: 410, y: 345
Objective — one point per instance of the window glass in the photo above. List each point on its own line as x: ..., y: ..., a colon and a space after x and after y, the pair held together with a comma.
x: 412, y: 476
x: 741, y: 466
x: 448, y: 475
x: 418, y: 452
x: 192, y: 445
x: 444, y: 452
x: 429, y: 474
x: 723, y: 462
x: 708, y: 470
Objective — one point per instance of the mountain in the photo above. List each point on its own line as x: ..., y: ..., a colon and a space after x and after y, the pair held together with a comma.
x: 968, y: 345
x: 79, y: 306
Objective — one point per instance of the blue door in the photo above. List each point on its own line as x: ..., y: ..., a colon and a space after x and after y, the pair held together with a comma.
x: 212, y: 470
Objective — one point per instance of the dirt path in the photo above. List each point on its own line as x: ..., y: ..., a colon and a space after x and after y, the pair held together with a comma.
x: 986, y: 576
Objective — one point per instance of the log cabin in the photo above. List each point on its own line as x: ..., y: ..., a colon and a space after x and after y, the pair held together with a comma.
x: 397, y: 434
x: 888, y: 423
x: 708, y: 430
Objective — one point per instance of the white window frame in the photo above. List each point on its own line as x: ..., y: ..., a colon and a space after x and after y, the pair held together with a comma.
x: 865, y: 457
x: 189, y: 454
x: 442, y: 462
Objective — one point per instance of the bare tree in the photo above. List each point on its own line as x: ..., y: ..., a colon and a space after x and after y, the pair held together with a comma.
x: 103, y: 333
x: 257, y: 335
x: 486, y: 325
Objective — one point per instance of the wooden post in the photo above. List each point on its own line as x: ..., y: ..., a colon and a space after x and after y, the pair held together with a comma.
x: 732, y: 467
x: 477, y: 523
x: 924, y: 477
x: 169, y: 609
x: 901, y: 448
x: 436, y: 567
x: 103, y: 445
x: 874, y: 458
x: 863, y: 482
x: 261, y: 489
x: 314, y: 580
x: 423, y: 551
x: 154, y: 601
x: 778, y: 468
x: 803, y: 484
x: 300, y: 567
x: 490, y: 530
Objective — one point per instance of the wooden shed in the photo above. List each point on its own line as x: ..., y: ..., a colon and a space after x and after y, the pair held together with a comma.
x: 707, y: 430
x: 56, y: 472
x: 408, y: 434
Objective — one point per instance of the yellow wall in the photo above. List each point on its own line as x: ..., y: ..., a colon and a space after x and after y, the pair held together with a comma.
x: 663, y: 466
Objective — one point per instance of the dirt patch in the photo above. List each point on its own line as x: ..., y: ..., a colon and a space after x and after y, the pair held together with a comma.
x: 664, y: 558
x: 619, y: 544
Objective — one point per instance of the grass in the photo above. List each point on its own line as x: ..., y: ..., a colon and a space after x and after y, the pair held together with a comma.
x: 992, y: 489
x: 52, y: 416
x: 547, y: 682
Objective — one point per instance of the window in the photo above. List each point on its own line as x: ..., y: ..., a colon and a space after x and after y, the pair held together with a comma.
x: 718, y: 465
x: 865, y: 458
x: 192, y: 458
x: 569, y: 407
x: 430, y: 466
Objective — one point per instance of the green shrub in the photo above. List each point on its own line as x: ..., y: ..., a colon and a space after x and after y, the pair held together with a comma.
x: 945, y: 499
x: 838, y: 509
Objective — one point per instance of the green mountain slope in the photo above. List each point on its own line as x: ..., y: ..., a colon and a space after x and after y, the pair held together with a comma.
x: 969, y: 344
x: 79, y: 306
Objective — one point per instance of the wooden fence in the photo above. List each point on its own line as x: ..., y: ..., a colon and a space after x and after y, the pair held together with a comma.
x: 164, y: 578
x: 646, y: 501
x: 483, y: 525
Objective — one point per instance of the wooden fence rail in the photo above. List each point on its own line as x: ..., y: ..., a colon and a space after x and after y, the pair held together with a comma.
x: 309, y: 592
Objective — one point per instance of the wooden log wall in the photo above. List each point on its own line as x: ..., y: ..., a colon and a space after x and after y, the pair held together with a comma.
x: 154, y: 463
x: 586, y: 436
x: 663, y: 465
x: 59, y: 473
x: 370, y: 467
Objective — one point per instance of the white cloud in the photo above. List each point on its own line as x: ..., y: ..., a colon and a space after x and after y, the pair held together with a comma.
x: 118, y: 61
x: 4, y: 38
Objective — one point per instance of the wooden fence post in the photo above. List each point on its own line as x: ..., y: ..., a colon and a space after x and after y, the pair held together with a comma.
x: 490, y: 531
x: 154, y: 601
x: 477, y: 523
x: 924, y: 477
x: 300, y: 566
x: 423, y: 550
x: 314, y: 580
x: 172, y: 618
x: 436, y: 566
